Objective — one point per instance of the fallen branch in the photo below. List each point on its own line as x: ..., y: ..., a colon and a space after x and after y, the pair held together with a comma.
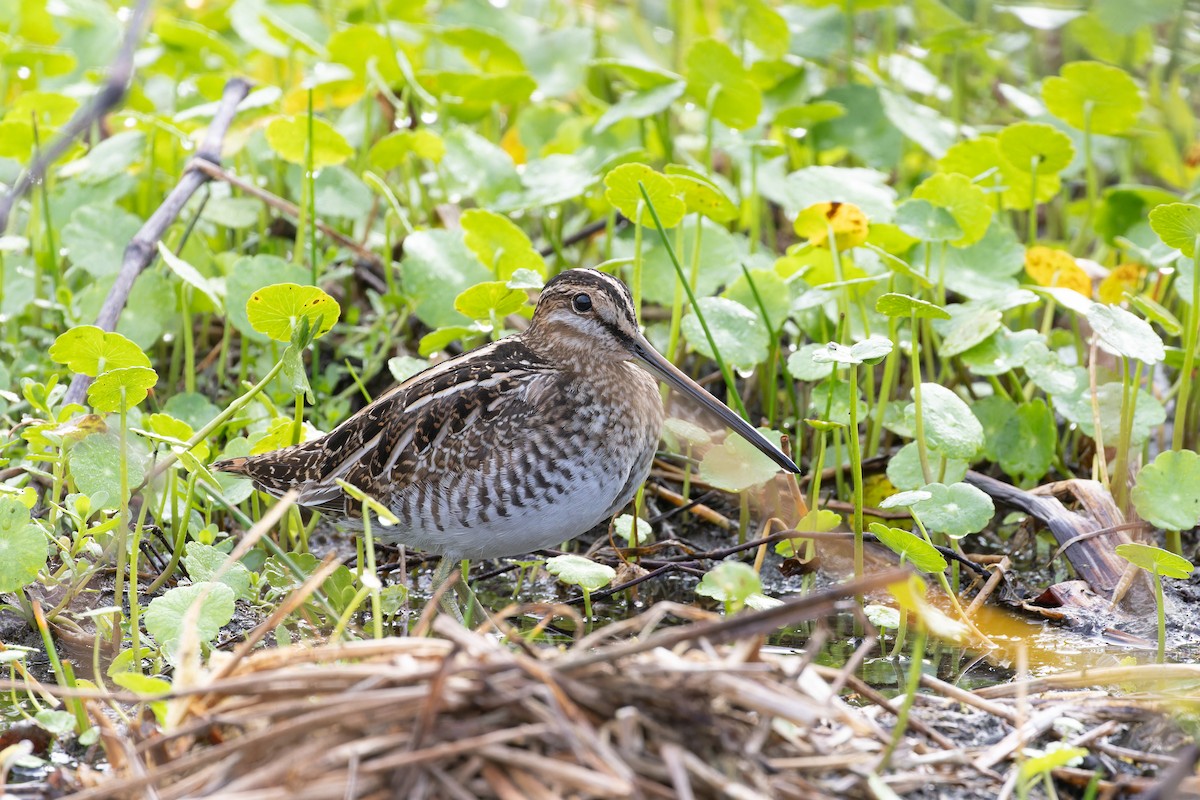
x: 140, y: 251
x: 120, y: 75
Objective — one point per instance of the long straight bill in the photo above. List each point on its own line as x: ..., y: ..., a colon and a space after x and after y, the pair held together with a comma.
x: 669, y: 373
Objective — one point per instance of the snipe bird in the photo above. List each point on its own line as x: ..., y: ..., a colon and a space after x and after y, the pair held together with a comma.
x: 515, y: 446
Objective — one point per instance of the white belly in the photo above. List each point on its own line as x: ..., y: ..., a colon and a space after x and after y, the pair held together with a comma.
x: 545, y: 522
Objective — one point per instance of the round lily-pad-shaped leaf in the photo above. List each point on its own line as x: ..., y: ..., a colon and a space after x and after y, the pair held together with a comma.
x: 701, y: 196
x: 967, y: 203
x: 738, y: 332
x: 835, y: 353
x: 927, y: 222
x: 623, y: 529
x: 288, y: 136
x: 904, y: 470
x: 1077, y: 407
x: 276, y: 310
x: 89, y: 350
x: 738, y: 465
x: 730, y: 582
x: 1094, y: 96
x: 483, y: 300
x: 894, y: 304
x: 22, y: 546
x: 1036, y: 145
x: 1125, y: 334
x: 955, y: 510
x: 624, y: 193
x: 1156, y: 560
x: 847, y: 221
x: 128, y: 385
x: 969, y: 327
x: 950, y: 426
x: 1178, y: 225
x: 95, y: 465
x: 581, y: 572
x: 715, y: 75
x: 803, y: 366
x: 910, y: 547
x: 872, y: 349
x: 1167, y: 493
x: 165, y: 615
x: 869, y: 350
x: 684, y: 433
x: 500, y: 244
x: 905, y: 499
x: 882, y: 616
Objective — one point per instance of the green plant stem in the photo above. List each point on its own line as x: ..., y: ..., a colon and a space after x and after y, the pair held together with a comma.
x: 1129, y: 395
x: 726, y: 373
x: 179, y: 522
x: 373, y: 585
x: 677, y: 301
x: 910, y: 694
x: 839, y: 276
x: 856, y: 474
x: 919, y: 422
x: 1089, y: 166
x: 817, y: 469
x: 875, y: 427
x: 189, y: 344
x: 135, y: 612
x: 1162, y: 618
x: 1031, y: 233
x: 237, y: 405
x: 637, y: 262
x: 1189, y: 353
x: 122, y: 532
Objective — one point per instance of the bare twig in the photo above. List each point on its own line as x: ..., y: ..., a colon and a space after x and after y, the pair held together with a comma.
x: 139, y: 253
x: 217, y: 172
x: 112, y: 92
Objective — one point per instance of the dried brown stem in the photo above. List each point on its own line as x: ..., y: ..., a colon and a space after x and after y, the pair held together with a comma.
x: 140, y: 251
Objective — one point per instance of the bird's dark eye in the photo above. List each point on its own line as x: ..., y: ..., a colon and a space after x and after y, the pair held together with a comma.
x: 582, y: 303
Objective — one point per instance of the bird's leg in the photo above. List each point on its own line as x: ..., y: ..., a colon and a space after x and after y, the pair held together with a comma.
x: 448, y: 602
x: 467, y: 595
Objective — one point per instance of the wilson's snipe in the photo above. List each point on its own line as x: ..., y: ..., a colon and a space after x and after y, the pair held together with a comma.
x: 512, y: 447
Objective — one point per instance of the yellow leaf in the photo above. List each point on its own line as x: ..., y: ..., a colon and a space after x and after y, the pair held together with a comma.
x: 1123, y: 278
x: 511, y: 144
x: 1050, y: 267
x: 848, y: 222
